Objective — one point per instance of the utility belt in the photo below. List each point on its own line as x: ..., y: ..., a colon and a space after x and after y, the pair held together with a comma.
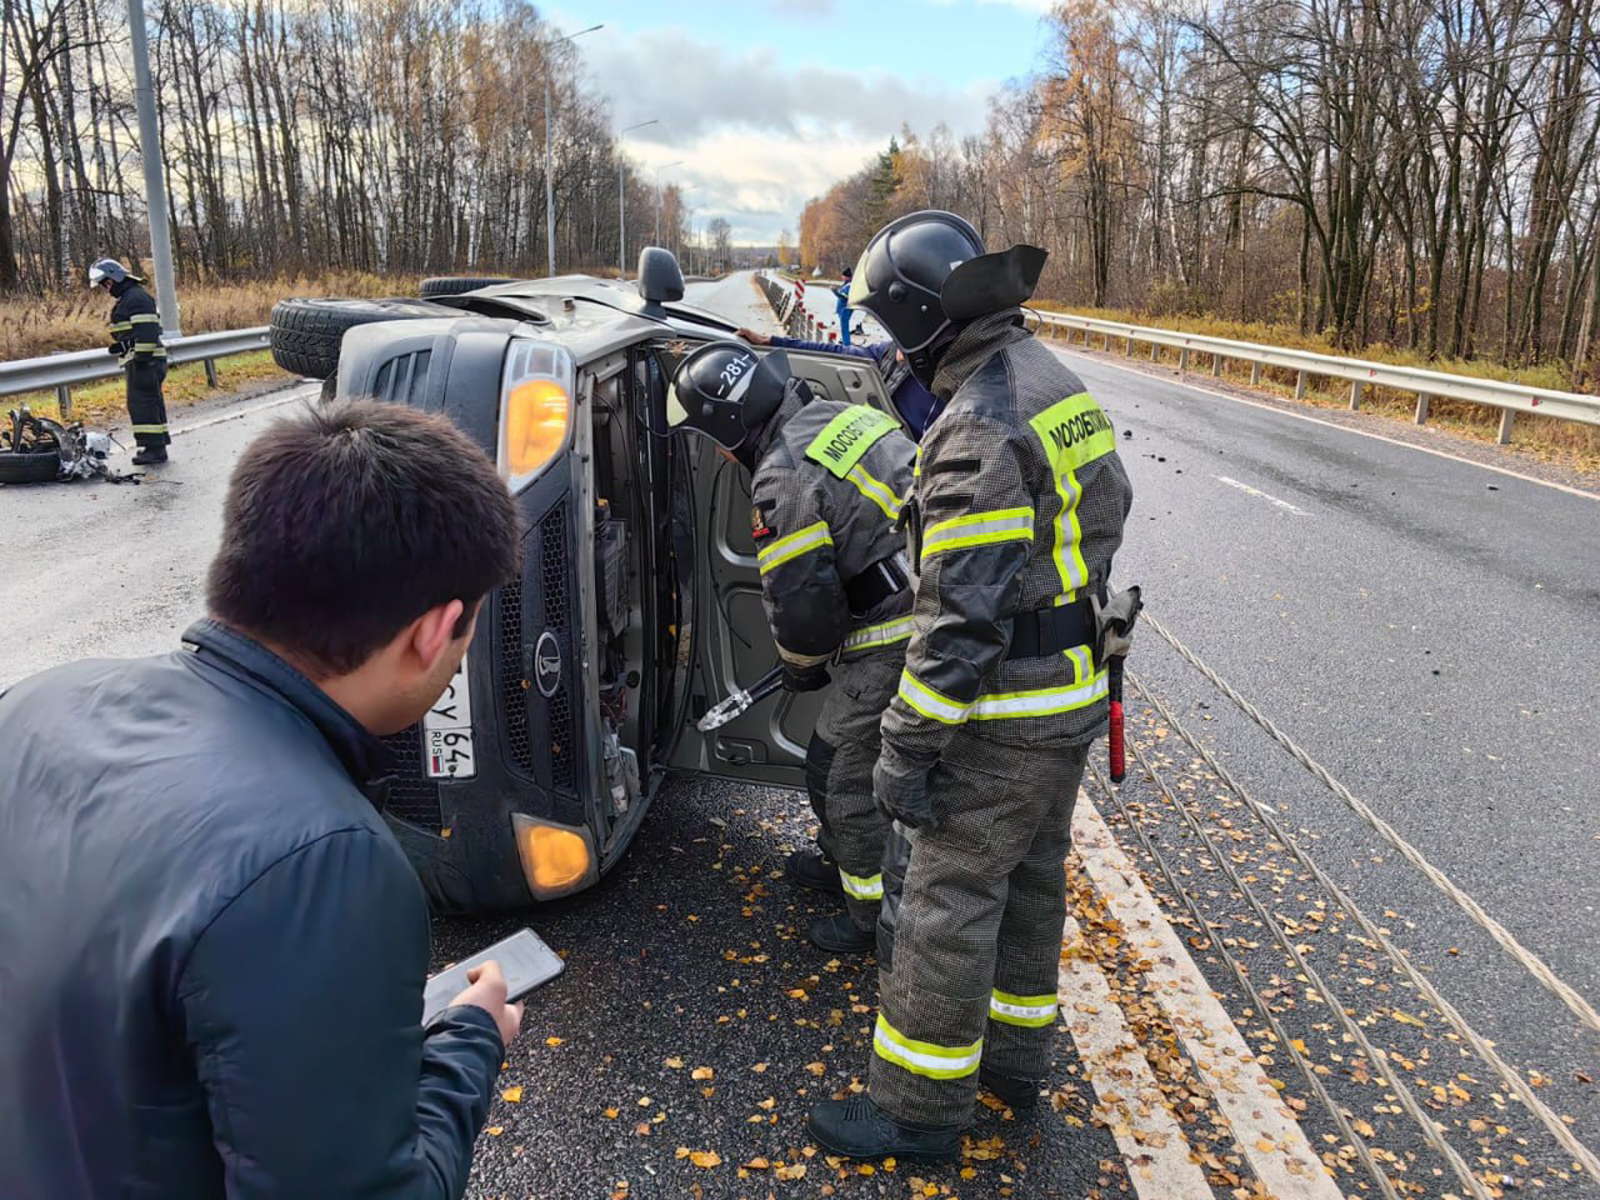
x: 1041, y: 632
x: 883, y: 579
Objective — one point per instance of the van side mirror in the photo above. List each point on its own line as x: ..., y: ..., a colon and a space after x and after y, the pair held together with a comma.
x: 660, y: 280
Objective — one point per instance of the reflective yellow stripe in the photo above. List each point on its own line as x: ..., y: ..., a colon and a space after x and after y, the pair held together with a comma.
x: 145, y: 319
x: 862, y: 887
x: 978, y: 529
x: 930, y: 703
x: 150, y: 428
x: 1082, y: 663
x: 121, y: 326
x: 875, y: 490
x: 848, y: 436
x: 812, y: 537
x: 886, y: 633
x: 925, y: 1058
x: 1031, y: 1012
x: 1073, y: 432
x: 1040, y: 702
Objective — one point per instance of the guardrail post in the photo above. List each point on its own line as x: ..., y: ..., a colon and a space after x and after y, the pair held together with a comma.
x: 1216, y: 366
x: 211, y: 373
x: 1130, y: 347
x: 1423, y: 402
x: 1300, y: 385
x: 1255, y: 374
x: 1155, y: 349
x: 1107, y: 346
x: 64, y: 401
x: 1183, y: 360
x: 1356, y: 387
x: 1506, y: 417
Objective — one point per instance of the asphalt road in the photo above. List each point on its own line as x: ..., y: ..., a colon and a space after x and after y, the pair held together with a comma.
x: 1425, y: 628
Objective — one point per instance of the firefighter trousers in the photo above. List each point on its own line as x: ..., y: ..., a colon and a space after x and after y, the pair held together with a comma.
x: 147, y: 410
x: 839, y: 762
x: 977, y: 948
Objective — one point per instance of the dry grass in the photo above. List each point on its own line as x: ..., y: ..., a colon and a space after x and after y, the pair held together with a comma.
x: 76, y: 320
x: 1569, y: 443
x: 102, y: 404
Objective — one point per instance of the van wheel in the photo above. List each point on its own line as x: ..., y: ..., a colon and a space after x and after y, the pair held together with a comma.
x: 305, y: 334
x: 455, y: 285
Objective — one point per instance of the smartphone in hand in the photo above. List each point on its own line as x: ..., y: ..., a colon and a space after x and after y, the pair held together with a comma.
x: 524, y: 960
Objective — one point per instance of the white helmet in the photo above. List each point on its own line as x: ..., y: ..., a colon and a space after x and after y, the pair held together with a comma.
x: 106, y: 268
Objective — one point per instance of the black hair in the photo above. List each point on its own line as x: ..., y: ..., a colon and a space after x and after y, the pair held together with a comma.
x: 344, y: 524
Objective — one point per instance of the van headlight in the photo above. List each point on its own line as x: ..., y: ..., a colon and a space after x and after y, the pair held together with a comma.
x: 535, y: 410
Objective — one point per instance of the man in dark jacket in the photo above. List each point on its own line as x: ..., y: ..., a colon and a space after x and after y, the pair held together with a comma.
x: 916, y: 405
x: 212, y: 950
x: 136, y: 341
x: 826, y: 481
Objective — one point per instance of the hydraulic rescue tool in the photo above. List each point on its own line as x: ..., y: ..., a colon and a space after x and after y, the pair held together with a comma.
x: 740, y: 700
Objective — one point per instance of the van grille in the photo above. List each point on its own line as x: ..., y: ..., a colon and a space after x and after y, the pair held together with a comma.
x: 513, y: 690
x: 554, y: 571
x: 411, y: 796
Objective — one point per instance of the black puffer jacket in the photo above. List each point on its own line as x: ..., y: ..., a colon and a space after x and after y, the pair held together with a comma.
x: 212, y: 950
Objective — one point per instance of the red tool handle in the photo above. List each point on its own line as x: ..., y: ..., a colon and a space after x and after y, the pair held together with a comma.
x: 1119, y: 764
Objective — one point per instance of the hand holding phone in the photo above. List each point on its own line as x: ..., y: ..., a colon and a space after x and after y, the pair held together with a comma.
x: 521, y: 963
x: 487, y: 990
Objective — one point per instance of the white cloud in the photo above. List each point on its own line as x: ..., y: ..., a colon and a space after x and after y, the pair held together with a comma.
x: 759, y: 139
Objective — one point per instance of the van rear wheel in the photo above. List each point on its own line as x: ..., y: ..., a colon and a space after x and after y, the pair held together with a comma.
x: 306, y: 334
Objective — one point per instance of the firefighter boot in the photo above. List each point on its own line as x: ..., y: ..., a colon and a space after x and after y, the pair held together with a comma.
x: 149, y: 456
x: 841, y: 935
x: 1020, y: 1095
x: 855, y: 1127
x: 811, y: 869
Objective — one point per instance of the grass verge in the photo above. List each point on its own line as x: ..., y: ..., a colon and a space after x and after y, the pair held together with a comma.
x: 106, y: 403
x: 1566, y: 443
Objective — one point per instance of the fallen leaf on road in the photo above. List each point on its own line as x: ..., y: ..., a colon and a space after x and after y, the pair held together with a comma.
x: 552, y: 1041
x: 675, y: 1063
x: 512, y: 1095
x: 496, y: 1130
x: 701, y: 1074
x: 795, y: 1171
x: 759, y: 1068
x: 758, y: 1164
x: 816, y: 1068
x: 611, y: 1114
x: 706, y: 1159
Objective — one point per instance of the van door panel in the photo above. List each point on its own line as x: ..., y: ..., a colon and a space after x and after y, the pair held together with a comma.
x: 733, y: 644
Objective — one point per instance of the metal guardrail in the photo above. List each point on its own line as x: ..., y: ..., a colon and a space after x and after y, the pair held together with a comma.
x: 1509, y: 398
x: 62, y: 371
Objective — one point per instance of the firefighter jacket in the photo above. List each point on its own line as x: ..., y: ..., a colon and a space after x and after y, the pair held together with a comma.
x: 826, y: 493
x: 135, y: 324
x: 1018, y: 504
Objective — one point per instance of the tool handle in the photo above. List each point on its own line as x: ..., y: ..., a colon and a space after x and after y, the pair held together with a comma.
x: 1119, y: 762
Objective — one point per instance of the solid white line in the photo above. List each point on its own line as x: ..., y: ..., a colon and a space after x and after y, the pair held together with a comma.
x: 1267, y: 1133
x: 1257, y: 492
x: 235, y: 414
x: 1131, y: 1101
x: 1298, y: 416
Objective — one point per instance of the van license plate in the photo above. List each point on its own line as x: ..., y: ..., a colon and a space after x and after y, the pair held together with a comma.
x: 447, y: 732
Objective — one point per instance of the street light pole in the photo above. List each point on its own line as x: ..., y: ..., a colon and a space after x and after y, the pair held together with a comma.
x: 549, y: 153
x: 622, y: 200
x: 663, y: 167
x: 155, y: 185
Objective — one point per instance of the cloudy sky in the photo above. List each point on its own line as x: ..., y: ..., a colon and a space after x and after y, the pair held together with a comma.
x: 770, y: 101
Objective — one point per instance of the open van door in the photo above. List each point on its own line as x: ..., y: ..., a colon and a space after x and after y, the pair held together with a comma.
x: 732, y: 644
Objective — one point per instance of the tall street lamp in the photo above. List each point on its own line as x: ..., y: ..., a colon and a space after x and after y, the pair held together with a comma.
x: 549, y: 154
x: 155, y: 187
x: 661, y: 168
x: 622, y: 200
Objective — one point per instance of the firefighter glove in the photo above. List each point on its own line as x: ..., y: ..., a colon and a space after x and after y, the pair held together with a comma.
x: 805, y: 679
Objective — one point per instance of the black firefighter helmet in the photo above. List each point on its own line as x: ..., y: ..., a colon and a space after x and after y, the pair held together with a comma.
x: 728, y: 391
x: 925, y: 275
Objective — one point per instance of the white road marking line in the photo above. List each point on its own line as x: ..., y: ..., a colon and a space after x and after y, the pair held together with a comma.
x: 296, y: 393
x: 1288, y: 1167
x: 1298, y: 416
x: 1131, y: 1102
x: 1257, y: 492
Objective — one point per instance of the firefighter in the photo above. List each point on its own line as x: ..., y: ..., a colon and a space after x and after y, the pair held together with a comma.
x: 136, y: 341
x: 826, y: 485
x: 1016, y: 509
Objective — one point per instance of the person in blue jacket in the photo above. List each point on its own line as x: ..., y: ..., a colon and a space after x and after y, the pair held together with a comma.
x: 915, y: 404
x: 841, y: 305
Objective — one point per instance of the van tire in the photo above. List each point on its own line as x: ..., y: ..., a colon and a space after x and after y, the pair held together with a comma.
x: 455, y: 285
x: 306, y: 334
